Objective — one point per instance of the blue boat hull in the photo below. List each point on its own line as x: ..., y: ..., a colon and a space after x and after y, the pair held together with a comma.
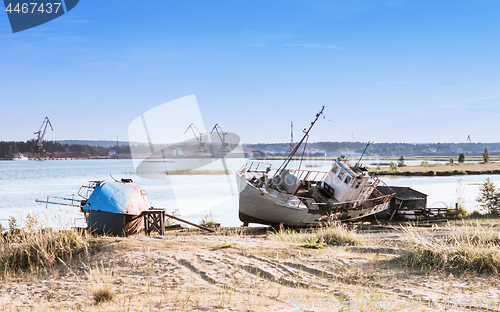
x: 115, y: 208
x: 108, y: 223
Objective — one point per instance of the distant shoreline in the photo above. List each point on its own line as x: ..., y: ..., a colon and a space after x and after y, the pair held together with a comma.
x: 430, y: 170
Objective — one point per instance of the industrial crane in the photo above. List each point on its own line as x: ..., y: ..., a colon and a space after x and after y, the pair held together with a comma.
x: 224, y: 149
x: 202, y: 146
x: 470, y: 142
x: 39, y: 142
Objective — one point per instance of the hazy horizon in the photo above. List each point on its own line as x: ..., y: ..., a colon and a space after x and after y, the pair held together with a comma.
x: 281, y: 143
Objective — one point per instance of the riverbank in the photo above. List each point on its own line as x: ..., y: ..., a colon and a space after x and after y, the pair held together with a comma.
x: 234, y: 270
x: 439, y: 170
x: 379, y: 158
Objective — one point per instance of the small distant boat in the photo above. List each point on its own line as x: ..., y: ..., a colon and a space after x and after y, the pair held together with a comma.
x: 19, y: 156
x: 346, y: 192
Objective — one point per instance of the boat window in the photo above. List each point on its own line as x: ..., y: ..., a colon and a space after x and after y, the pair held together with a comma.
x: 341, y: 175
x: 347, y: 179
x: 335, y: 168
x: 358, y: 184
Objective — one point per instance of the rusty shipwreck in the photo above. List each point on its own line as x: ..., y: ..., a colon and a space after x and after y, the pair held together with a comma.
x: 346, y: 192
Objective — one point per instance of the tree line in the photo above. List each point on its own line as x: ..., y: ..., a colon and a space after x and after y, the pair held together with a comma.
x: 380, y: 149
x: 12, y: 147
x: 396, y: 149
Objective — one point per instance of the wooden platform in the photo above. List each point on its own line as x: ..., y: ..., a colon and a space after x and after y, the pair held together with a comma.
x: 154, y: 220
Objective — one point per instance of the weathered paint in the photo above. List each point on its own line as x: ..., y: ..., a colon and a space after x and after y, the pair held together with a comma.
x: 117, y: 197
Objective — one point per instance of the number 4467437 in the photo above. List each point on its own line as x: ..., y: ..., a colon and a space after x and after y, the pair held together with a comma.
x: 34, y: 8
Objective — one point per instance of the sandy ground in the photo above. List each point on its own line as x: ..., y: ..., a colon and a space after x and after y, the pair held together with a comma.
x: 193, y: 272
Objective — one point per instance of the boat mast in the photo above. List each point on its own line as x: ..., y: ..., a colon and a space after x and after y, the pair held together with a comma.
x: 296, y: 148
x: 357, y: 164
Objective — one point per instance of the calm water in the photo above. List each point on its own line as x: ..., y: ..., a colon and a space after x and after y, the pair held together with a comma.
x: 21, y: 182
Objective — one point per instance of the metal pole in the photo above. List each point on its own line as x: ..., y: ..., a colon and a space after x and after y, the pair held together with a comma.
x: 190, y: 223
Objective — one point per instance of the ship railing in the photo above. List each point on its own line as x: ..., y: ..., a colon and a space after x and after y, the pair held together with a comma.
x: 61, y: 201
x: 371, y: 202
x: 255, y: 166
x: 86, y: 190
x: 310, y: 175
x: 377, y: 182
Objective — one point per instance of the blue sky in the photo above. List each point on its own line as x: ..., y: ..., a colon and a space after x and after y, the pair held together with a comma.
x: 389, y: 71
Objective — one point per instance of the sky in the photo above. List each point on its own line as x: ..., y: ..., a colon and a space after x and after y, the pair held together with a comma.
x: 386, y: 71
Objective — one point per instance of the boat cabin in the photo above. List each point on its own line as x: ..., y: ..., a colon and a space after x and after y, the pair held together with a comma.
x: 347, y: 182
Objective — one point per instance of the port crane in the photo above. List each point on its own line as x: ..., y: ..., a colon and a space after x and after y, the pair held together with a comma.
x: 41, y: 134
x: 224, y: 149
x: 202, y: 146
x: 470, y: 142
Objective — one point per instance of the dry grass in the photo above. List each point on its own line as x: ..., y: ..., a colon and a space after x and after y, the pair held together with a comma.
x: 261, y: 272
x: 33, y: 248
x: 465, y: 248
x: 99, y: 279
x: 340, y: 235
x: 334, y: 235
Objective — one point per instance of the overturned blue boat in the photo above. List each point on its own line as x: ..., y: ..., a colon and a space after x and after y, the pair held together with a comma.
x: 114, y: 206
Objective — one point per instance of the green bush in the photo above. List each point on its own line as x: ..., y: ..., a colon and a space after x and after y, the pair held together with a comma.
x: 312, y: 242
x: 489, y: 198
x: 461, y: 158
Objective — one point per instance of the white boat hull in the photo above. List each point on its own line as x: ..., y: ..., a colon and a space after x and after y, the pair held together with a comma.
x: 264, y: 206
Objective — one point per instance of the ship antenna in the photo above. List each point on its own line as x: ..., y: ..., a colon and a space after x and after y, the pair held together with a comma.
x: 296, y: 148
x: 357, y: 164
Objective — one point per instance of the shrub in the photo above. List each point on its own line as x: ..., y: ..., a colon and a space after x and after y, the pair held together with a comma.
x: 489, y: 198
x: 99, y: 282
x: 103, y: 293
x: 209, y: 220
x: 401, y: 162
x: 393, y: 166
x: 475, y: 215
x: 312, y: 242
x: 486, y: 155
x: 462, y: 213
x: 461, y: 158
x: 225, y: 244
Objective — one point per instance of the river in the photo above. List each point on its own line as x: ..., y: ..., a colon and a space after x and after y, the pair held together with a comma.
x: 21, y: 182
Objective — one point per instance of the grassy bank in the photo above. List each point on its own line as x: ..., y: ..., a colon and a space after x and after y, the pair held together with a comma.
x: 257, y: 270
x: 439, y: 170
x: 198, y: 172
x: 466, y: 248
x: 34, y: 249
x: 380, y: 158
x: 335, y: 235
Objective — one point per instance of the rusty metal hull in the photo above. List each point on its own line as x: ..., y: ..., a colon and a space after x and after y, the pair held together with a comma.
x: 267, y: 206
x: 115, y: 207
